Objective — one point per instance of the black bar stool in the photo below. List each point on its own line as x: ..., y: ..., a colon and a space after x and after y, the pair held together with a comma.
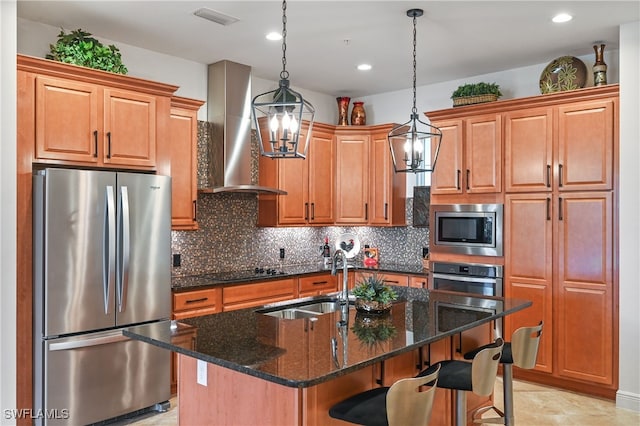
x: 399, y: 405
x: 477, y: 376
x: 522, y: 352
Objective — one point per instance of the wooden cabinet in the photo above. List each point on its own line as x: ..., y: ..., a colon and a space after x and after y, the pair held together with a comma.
x: 195, y: 303
x: 248, y: 295
x: 183, y: 134
x: 86, y: 117
x: 416, y: 281
x: 309, y: 184
x: 315, y: 285
x: 352, y: 184
x: 184, y: 335
x: 470, y: 158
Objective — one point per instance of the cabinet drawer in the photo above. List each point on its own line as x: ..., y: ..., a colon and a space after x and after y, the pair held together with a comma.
x: 317, y: 284
x: 201, y: 302
x: 388, y: 278
x: 249, y: 295
x: 417, y: 281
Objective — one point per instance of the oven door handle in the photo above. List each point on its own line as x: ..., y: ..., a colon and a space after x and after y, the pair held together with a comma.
x: 466, y: 279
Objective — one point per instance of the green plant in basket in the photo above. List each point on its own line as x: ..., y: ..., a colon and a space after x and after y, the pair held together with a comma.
x: 373, y: 295
x: 79, y: 48
x: 477, y: 89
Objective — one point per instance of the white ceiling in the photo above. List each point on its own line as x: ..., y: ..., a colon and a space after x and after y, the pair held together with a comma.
x: 327, y: 39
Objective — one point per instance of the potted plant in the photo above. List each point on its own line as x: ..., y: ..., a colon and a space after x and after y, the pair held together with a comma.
x: 474, y: 93
x: 79, y: 48
x: 373, y: 295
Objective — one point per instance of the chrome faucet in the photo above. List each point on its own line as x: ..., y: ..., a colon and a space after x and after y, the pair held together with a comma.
x: 344, y: 299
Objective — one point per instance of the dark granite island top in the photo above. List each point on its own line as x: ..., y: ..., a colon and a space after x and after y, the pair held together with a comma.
x: 300, y: 353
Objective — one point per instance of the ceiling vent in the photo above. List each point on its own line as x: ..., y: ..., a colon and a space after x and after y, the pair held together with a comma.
x: 215, y: 16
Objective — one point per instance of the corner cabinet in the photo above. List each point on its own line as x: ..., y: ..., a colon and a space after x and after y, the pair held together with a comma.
x: 86, y: 117
x: 183, y: 157
x: 560, y: 229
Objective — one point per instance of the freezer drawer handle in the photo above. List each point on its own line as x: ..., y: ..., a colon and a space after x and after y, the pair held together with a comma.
x: 63, y: 346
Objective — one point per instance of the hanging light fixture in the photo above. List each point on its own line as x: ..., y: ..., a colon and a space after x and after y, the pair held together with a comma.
x: 286, y: 113
x: 414, y: 143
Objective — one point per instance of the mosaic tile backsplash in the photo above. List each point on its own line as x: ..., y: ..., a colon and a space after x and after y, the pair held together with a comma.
x: 228, y: 238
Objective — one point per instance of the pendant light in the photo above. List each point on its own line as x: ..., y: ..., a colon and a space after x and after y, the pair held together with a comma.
x: 286, y: 113
x: 415, y: 144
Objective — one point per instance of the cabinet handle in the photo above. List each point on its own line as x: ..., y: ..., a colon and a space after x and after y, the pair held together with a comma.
x: 560, y: 178
x: 108, y: 144
x: 195, y: 210
x: 548, y: 176
x: 458, y: 179
x: 319, y: 282
x: 306, y: 211
x: 95, y: 143
x: 366, y: 211
x: 548, y: 208
x: 313, y: 211
x: 380, y: 380
x: 468, y: 174
x: 391, y: 282
x: 386, y: 211
x: 560, y: 215
x: 202, y: 299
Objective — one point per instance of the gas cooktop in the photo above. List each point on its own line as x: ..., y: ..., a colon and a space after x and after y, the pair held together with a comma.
x: 245, y: 274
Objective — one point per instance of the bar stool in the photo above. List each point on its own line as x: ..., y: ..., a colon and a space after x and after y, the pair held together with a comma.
x: 399, y: 405
x: 522, y: 352
x: 477, y: 376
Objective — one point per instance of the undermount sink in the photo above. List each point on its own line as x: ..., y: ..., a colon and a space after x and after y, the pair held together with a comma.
x: 300, y: 310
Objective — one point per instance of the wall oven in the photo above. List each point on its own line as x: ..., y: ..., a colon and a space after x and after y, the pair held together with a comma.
x: 469, y: 229
x: 476, y: 279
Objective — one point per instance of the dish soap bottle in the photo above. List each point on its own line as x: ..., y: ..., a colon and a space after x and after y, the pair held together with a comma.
x: 326, y: 252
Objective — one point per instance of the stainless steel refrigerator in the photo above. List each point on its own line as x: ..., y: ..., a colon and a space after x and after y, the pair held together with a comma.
x: 102, y: 249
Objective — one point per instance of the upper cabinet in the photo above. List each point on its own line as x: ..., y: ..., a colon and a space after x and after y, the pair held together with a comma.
x: 183, y: 157
x: 87, y: 117
x: 470, y: 158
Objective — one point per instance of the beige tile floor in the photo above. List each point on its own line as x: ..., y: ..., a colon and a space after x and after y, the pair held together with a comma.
x: 535, y: 405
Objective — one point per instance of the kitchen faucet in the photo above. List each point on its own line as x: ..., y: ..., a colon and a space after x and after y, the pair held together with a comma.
x: 344, y: 299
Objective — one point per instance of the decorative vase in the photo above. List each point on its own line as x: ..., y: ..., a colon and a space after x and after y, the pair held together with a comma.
x: 599, y: 68
x: 343, y: 110
x: 358, y: 115
x: 371, y: 307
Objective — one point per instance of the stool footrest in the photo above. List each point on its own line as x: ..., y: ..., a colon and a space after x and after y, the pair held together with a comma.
x: 476, y: 416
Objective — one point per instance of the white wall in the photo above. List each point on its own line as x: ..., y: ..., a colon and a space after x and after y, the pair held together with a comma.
x: 628, y: 395
x: 7, y: 209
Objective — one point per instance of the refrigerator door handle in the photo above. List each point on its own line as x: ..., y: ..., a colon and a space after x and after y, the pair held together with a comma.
x: 85, y: 343
x: 109, y: 252
x: 125, y: 246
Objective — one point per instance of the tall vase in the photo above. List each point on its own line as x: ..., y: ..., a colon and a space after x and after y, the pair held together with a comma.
x: 599, y: 68
x: 343, y: 110
x: 358, y: 115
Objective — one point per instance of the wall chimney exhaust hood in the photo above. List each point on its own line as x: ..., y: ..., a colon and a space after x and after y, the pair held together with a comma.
x: 229, y: 111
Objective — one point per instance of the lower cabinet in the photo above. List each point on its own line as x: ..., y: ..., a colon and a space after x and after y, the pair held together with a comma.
x: 315, y: 285
x: 243, y: 296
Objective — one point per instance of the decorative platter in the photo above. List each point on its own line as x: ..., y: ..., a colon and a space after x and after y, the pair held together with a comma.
x: 349, y: 243
x: 563, y: 73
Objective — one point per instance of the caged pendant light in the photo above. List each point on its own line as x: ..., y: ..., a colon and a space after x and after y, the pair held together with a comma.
x: 285, y: 111
x: 414, y: 143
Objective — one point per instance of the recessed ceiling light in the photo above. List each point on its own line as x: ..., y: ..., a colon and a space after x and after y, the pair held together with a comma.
x: 274, y: 36
x: 215, y: 16
x: 562, y: 17
x: 364, y: 67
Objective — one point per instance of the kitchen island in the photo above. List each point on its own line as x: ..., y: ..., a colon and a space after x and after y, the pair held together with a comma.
x: 257, y: 366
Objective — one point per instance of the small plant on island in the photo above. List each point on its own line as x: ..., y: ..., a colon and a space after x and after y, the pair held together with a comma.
x: 373, y: 295
x: 79, y: 48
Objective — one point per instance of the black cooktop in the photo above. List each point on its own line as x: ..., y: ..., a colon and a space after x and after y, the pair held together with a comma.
x: 245, y: 274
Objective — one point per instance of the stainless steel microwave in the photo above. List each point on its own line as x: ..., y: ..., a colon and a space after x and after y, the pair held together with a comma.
x: 471, y: 229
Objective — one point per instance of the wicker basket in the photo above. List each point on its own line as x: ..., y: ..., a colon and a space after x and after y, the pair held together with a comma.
x: 478, y: 99
x: 425, y: 264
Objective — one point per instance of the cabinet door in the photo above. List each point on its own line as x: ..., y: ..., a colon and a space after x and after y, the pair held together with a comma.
x: 528, y: 233
x: 183, y: 133
x: 293, y: 208
x: 418, y: 282
x: 585, y: 145
x: 352, y: 184
x: 321, y: 178
x: 528, y: 146
x: 446, y: 177
x: 317, y: 284
x: 66, y: 120
x: 585, y: 322
x: 381, y: 182
x: 130, y: 128
x: 483, y: 154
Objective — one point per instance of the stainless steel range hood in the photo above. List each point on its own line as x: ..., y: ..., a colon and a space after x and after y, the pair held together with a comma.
x: 229, y: 112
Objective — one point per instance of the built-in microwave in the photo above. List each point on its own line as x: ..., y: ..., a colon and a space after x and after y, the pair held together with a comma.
x: 471, y: 229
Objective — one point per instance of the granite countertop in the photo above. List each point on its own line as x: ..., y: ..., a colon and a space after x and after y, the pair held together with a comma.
x: 304, y: 352
x: 213, y: 279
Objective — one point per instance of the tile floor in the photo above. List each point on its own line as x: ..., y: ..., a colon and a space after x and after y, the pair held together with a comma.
x: 535, y: 405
